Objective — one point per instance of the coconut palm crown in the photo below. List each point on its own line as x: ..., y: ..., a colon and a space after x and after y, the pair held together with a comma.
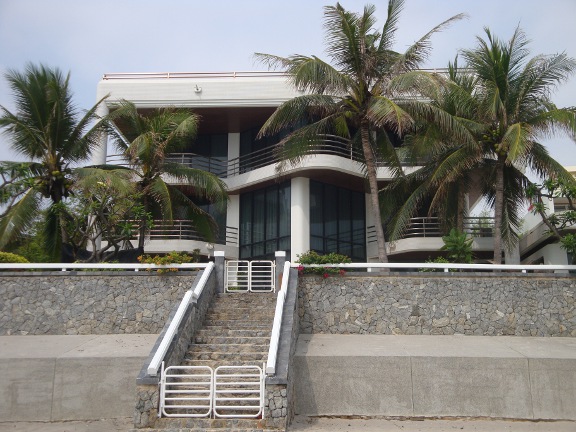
x: 359, y: 96
x: 54, y: 137
x: 146, y: 142
x: 503, y: 98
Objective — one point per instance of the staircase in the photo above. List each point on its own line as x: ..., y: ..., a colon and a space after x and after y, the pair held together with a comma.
x: 236, y: 332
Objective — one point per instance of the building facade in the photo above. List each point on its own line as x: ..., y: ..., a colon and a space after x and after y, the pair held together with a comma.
x: 320, y: 204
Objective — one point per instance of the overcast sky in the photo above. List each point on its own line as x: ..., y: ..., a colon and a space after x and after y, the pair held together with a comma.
x: 90, y: 38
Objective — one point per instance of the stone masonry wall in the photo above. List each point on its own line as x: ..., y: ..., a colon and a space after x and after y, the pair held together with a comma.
x: 88, y: 302
x: 474, y: 304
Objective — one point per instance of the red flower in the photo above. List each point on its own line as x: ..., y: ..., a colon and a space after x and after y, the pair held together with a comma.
x: 342, y: 272
x: 325, y: 275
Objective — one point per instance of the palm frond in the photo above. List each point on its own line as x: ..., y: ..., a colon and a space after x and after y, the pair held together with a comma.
x: 19, y: 217
x: 419, y: 51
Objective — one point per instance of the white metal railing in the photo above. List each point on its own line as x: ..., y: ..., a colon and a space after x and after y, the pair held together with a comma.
x: 250, y: 276
x: 190, y: 297
x: 446, y: 267
x: 99, y: 266
x: 277, y: 325
x: 168, y: 75
x: 186, y: 391
x: 238, y: 392
x: 201, y: 391
x: 237, y: 74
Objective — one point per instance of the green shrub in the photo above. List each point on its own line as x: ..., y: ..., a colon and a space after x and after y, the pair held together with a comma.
x: 11, y: 258
x: 170, y: 258
x: 312, y: 257
x: 458, y: 246
x: 437, y: 260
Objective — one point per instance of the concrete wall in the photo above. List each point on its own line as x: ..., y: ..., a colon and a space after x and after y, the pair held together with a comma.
x: 438, y: 304
x: 436, y: 376
x: 78, y: 303
x: 58, y: 378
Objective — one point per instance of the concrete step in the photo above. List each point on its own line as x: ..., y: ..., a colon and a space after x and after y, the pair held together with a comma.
x: 229, y: 348
x: 256, y: 357
x: 208, y: 424
x: 224, y: 362
x: 217, y: 331
x: 208, y: 339
x: 238, y: 323
x: 243, y: 313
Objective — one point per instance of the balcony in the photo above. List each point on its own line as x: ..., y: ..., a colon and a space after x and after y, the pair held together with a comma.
x: 424, y: 235
x: 270, y: 156
x: 180, y: 235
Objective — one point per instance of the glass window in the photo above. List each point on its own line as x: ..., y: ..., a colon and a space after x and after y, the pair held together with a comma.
x: 337, y: 221
x: 265, y: 222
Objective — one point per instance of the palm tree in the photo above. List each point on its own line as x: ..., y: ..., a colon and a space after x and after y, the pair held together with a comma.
x: 502, y: 97
x: 54, y: 136
x: 146, y: 142
x: 355, y: 97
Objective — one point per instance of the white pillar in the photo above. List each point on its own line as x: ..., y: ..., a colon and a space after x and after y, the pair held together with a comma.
x: 233, y: 152
x: 299, y: 216
x: 99, y: 154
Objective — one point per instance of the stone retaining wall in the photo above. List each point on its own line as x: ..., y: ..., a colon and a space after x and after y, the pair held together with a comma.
x: 475, y: 304
x: 74, y: 303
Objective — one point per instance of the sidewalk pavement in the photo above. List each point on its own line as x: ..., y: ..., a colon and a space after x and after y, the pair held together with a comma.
x: 311, y: 424
x: 326, y: 424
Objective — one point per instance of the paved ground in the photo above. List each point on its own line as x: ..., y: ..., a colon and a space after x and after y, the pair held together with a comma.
x: 113, y: 425
x: 382, y: 425
x: 321, y: 425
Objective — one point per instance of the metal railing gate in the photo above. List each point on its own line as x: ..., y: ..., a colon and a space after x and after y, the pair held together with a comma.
x: 250, y: 276
x: 200, y: 391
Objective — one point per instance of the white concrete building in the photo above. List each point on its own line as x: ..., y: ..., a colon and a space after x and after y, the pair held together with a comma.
x: 320, y: 204
x: 537, y: 245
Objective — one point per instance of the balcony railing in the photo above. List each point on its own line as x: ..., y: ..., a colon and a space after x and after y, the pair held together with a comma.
x: 184, y: 230
x: 332, y: 145
x: 423, y: 227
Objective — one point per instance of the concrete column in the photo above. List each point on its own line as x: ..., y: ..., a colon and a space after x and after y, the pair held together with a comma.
x: 99, y: 154
x: 233, y: 215
x: 233, y: 151
x: 280, y: 260
x: 300, y: 216
x: 219, y: 268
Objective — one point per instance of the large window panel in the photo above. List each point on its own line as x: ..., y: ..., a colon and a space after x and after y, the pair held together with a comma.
x: 265, y: 222
x: 337, y: 221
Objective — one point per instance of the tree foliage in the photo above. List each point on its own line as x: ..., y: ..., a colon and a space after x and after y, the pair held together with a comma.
x: 356, y: 96
x: 54, y: 136
x: 502, y: 98
x: 103, y: 214
x: 146, y: 142
x: 557, y: 222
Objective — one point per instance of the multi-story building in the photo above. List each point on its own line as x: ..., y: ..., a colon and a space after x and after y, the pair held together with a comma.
x: 320, y: 204
x: 537, y: 244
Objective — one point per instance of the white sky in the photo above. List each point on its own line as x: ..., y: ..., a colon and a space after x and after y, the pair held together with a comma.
x: 90, y: 38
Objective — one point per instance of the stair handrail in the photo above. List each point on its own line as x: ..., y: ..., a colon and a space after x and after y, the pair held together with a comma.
x: 190, y: 297
x: 276, y: 326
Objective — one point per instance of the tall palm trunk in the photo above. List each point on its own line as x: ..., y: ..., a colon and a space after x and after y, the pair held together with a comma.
x: 373, y: 183
x: 498, y: 209
x: 142, y: 228
x: 460, y: 210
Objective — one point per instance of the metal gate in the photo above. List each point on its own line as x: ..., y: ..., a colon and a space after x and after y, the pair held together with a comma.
x: 238, y: 392
x: 200, y: 391
x: 250, y: 276
x: 186, y: 391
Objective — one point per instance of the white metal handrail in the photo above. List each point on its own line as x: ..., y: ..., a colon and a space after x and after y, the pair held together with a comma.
x: 277, y: 325
x: 190, y: 297
x: 446, y: 266
x: 99, y: 266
